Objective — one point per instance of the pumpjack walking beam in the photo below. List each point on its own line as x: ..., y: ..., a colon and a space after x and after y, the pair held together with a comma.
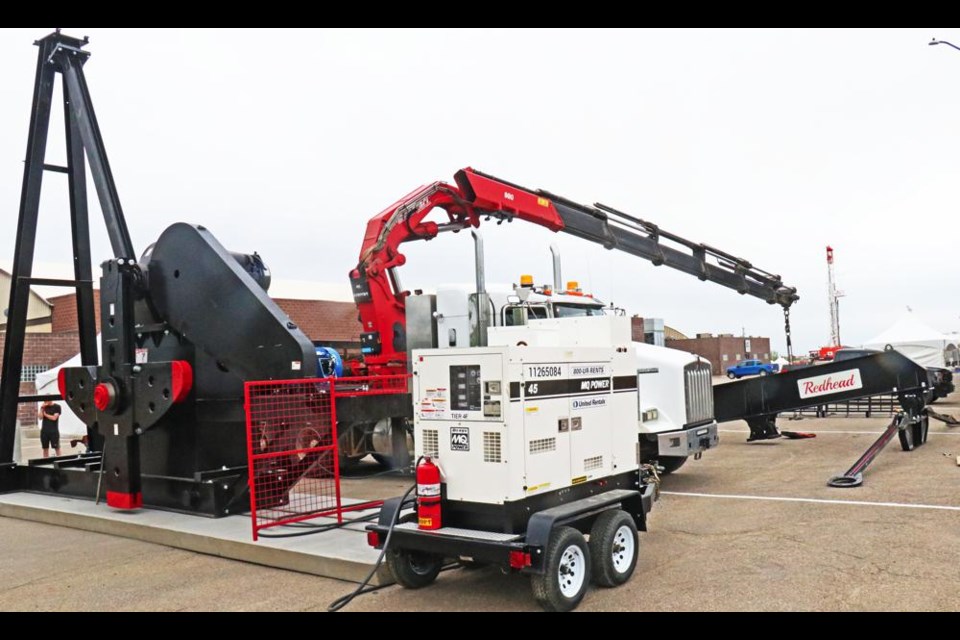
x: 61, y: 54
x: 760, y: 400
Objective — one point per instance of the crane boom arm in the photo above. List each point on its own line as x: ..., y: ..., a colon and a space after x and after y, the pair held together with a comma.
x: 476, y: 195
x: 617, y: 230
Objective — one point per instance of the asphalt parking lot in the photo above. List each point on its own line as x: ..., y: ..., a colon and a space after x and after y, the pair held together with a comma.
x: 751, y: 526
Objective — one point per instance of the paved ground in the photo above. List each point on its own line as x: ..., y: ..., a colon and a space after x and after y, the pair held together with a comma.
x: 892, y: 544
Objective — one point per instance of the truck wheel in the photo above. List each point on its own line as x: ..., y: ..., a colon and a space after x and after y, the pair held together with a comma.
x: 763, y: 372
x: 671, y: 463
x: 566, y: 574
x: 413, y: 569
x: 614, y: 547
x: 731, y: 375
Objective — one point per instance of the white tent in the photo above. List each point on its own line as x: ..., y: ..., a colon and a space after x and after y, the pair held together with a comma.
x: 69, y: 423
x: 781, y: 361
x: 952, y: 352
x: 918, y: 341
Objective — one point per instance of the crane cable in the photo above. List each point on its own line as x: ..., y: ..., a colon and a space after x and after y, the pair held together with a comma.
x: 786, y: 328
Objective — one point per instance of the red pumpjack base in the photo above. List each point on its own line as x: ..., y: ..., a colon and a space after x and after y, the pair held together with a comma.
x: 119, y: 500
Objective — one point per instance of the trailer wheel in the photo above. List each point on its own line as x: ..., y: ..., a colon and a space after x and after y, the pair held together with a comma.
x: 413, y: 569
x: 671, y: 463
x: 614, y: 547
x: 566, y: 574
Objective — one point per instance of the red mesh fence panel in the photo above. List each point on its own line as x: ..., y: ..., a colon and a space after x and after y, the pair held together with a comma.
x: 292, y: 456
x: 292, y: 452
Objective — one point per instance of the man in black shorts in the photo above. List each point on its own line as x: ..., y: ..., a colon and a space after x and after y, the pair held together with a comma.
x: 50, y: 429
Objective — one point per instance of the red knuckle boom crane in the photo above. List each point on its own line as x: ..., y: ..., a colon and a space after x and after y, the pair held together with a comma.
x: 475, y: 196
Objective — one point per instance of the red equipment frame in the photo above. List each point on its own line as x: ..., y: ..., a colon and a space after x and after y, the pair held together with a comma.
x: 382, y: 305
x: 292, y: 454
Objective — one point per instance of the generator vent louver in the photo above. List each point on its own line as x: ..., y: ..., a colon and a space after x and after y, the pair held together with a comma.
x: 491, y: 446
x: 543, y: 445
x: 589, y: 464
x: 430, y: 443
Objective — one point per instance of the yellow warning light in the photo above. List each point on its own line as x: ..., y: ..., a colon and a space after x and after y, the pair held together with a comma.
x: 573, y: 285
x: 526, y: 280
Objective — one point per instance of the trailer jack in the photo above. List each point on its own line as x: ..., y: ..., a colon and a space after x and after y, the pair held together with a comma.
x: 763, y: 427
x: 912, y: 430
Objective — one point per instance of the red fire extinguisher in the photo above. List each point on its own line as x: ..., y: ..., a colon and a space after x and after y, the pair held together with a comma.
x: 428, y: 494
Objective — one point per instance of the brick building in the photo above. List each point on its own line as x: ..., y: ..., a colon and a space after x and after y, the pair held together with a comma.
x: 326, y: 322
x: 653, y: 331
x: 40, y: 352
x: 725, y: 349
x: 52, y: 336
x: 64, y: 314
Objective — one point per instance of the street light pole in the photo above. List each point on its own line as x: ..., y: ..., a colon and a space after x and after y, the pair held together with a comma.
x: 935, y: 41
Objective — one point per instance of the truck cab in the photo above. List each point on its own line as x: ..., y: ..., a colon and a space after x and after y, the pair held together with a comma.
x: 454, y: 309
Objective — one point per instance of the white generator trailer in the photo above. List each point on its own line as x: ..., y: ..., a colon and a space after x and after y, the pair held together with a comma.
x: 539, y: 437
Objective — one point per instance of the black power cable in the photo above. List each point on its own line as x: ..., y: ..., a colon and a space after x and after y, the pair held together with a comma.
x: 343, y: 601
x: 311, y: 529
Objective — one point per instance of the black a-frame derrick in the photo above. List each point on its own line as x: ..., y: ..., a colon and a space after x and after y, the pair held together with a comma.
x: 58, y: 54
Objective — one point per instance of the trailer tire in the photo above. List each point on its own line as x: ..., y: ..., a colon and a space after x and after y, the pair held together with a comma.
x: 413, y: 569
x: 566, y: 574
x: 614, y: 547
x: 671, y: 463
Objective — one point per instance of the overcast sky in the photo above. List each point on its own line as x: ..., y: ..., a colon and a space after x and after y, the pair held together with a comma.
x: 767, y: 144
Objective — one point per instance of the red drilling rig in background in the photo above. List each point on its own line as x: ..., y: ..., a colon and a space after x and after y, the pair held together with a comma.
x: 833, y: 300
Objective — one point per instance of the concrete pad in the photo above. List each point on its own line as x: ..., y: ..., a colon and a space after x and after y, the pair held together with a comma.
x: 341, y: 553
x: 750, y: 527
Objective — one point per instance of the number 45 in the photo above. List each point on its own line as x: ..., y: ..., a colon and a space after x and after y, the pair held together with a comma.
x: 532, y: 388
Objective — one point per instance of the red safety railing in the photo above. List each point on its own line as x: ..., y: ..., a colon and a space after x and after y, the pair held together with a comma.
x: 292, y: 456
